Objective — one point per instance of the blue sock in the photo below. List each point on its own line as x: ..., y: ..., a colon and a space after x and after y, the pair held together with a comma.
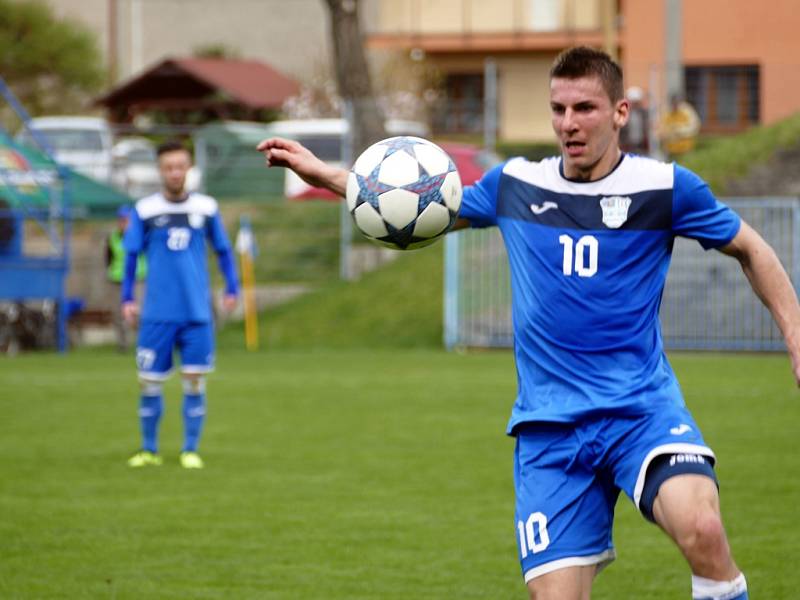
x: 150, y: 409
x: 194, y: 414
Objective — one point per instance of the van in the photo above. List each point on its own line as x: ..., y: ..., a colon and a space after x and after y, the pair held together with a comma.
x: 325, y: 138
x: 82, y: 143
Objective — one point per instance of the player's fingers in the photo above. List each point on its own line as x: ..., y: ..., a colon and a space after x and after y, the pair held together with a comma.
x: 276, y: 142
x: 265, y: 144
x: 277, y: 157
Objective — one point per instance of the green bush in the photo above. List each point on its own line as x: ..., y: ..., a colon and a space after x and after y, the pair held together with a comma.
x: 530, y: 150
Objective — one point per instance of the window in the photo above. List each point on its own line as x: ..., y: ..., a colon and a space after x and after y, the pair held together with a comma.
x: 726, y: 98
x: 462, y: 109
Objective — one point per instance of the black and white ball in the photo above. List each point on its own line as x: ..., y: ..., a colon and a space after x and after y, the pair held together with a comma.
x: 404, y: 192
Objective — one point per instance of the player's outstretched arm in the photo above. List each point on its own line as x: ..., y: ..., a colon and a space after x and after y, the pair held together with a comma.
x: 280, y: 152
x: 772, y: 285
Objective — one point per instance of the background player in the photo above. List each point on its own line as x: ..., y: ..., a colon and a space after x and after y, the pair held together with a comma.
x: 589, y: 237
x: 171, y: 228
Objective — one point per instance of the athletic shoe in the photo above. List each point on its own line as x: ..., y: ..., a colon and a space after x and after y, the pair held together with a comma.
x: 145, y: 458
x: 191, y: 460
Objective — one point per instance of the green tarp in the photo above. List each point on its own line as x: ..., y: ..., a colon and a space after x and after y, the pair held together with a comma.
x: 232, y: 169
x: 29, y: 179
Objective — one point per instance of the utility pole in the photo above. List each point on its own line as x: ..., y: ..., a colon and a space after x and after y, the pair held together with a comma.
x: 608, y: 10
x: 113, y: 41
x: 673, y: 55
x: 489, y: 104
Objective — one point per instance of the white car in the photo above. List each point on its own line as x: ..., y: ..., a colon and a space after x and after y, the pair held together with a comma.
x: 325, y: 137
x: 135, y: 168
x: 82, y: 143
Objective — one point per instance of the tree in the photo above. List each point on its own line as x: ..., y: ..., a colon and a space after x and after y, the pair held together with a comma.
x: 216, y: 50
x: 52, y: 65
x: 352, y: 74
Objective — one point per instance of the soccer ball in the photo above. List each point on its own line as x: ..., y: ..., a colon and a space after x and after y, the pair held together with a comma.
x: 404, y: 192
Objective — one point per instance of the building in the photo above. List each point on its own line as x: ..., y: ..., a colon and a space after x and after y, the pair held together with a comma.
x: 739, y: 59
x: 292, y: 35
x: 210, y: 88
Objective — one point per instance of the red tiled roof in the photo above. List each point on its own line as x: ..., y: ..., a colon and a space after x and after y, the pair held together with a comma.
x: 251, y: 83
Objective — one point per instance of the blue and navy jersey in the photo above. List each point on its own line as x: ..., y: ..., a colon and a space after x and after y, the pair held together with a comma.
x: 173, y: 237
x: 588, y: 264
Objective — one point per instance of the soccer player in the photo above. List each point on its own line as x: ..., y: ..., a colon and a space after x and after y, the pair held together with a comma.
x: 171, y: 229
x: 589, y: 236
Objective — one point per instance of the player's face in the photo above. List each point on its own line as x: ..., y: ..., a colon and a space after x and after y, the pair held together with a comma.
x: 587, y: 125
x: 173, y: 167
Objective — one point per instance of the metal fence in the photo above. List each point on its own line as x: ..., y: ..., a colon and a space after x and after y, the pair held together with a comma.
x: 707, y: 303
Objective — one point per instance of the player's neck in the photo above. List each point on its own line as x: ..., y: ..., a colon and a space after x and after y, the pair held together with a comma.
x: 607, y: 163
x: 175, y: 196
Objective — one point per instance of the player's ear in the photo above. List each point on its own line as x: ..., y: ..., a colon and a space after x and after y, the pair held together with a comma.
x: 621, y: 112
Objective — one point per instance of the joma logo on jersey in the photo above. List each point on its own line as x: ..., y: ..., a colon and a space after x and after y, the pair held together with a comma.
x: 615, y: 211
x: 680, y: 429
x: 547, y: 205
x: 686, y: 458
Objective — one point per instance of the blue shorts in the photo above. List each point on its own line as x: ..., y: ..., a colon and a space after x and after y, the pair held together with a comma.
x: 568, y: 476
x: 157, y: 339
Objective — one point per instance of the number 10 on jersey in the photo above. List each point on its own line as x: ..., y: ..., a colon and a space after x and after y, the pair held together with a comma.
x: 579, y: 257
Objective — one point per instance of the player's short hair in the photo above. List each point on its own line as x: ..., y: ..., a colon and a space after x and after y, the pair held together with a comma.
x: 171, y: 146
x: 582, y: 61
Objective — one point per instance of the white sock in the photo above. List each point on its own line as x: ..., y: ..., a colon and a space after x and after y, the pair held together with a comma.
x: 709, y: 589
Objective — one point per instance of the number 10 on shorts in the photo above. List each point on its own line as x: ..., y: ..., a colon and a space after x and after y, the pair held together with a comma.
x: 533, y: 536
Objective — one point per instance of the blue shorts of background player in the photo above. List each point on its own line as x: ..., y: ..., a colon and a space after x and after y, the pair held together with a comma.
x: 158, y: 340
x: 568, y: 477
x: 154, y: 359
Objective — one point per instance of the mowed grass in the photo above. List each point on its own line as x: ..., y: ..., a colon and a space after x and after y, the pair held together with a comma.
x: 344, y: 474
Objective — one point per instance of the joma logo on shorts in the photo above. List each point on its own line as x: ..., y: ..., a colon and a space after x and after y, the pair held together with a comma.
x: 686, y: 458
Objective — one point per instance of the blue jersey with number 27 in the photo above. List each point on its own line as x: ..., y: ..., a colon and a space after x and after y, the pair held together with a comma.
x: 588, y: 263
x: 173, y: 236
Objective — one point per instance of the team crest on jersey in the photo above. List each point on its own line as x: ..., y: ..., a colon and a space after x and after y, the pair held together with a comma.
x: 615, y: 211
x: 196, y: 220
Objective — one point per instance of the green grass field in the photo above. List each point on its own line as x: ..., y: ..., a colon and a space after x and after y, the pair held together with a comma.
x: 344, y: 474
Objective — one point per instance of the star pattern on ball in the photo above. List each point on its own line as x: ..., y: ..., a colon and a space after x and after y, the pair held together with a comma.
x: 400, y: 237
x: 400, y: 144
x: 370, y: 187
x: 428, y: 187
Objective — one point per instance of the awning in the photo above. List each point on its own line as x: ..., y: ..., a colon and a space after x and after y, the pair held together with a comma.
x: 30, y: 180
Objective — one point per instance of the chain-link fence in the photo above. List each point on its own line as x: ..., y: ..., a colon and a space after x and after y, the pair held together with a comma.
x: 707, y: 302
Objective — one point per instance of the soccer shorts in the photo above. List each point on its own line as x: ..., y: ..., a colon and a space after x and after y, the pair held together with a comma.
x: 158, y: 339
x: 568, y: 476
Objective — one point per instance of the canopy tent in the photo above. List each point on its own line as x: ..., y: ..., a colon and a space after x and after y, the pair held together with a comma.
x: 30, y: 181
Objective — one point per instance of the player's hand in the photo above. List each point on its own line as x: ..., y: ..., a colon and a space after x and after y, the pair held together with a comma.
x: 229, y: 302
x: 130, y: 312
x: 794, y: 356
x: 280, y: 152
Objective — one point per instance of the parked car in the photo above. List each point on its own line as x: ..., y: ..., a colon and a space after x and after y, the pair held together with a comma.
x: 82, y: 143
x: 471, y: 161
x: 324, y: 137
x: 135, y: 168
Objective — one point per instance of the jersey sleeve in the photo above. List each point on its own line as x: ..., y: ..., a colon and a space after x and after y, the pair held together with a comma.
x: 479, y: 202
x: 216, y: 234
x: 697, y: 214
x: 133, y: 241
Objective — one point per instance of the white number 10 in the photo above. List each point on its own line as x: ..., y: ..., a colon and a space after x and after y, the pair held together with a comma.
x: 586, y: 242
x: 533, y: 536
